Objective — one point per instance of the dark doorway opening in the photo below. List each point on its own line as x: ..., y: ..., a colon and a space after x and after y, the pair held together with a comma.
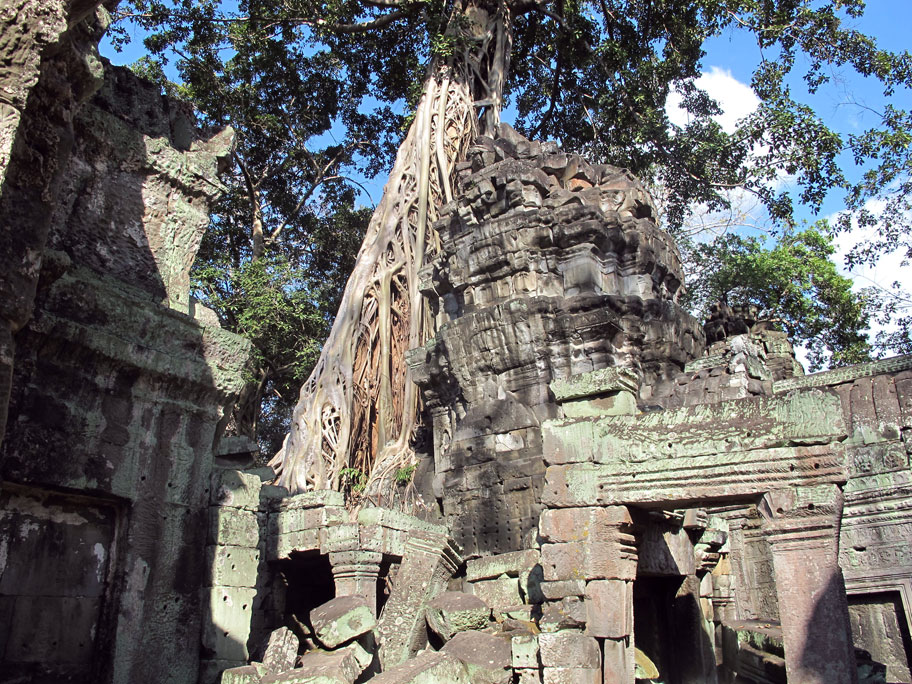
x: 309, y: 581
x: 668, y: 629
x: 879, y: 627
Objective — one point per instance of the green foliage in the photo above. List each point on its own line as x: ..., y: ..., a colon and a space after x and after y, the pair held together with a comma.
x: 283, y: 303
x: 353, y: 480
x: 795, y: 282
x: 405, y: 474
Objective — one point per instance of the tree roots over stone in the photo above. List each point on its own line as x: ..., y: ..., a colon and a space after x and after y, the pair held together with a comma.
x: 359, y: 410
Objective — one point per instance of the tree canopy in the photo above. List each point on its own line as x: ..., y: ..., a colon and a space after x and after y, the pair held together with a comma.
x: 794, y: 282
x: 319, y: 90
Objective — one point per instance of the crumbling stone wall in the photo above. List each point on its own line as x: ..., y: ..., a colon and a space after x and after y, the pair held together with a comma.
x: 48, y: 67
x: 117, y: 381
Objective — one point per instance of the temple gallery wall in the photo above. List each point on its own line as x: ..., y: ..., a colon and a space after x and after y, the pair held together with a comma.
x: 614, y: 491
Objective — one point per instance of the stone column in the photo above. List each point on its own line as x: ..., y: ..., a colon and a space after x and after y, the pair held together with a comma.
x: 802, y: 527
x: 428, y: 563
x: 597, y: 546
x: 355, y: 574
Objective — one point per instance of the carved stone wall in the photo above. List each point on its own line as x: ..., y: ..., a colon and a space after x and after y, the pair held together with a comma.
x: 117, y: 381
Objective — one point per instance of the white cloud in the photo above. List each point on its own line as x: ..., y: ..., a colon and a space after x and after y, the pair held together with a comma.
x: 889, y: 268
x: 737, y: 100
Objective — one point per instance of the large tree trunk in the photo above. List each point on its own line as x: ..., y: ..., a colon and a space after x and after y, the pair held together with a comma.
x: 360, y: 409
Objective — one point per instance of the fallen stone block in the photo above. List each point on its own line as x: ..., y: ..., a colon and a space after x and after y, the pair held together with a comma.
x: 247, y: 674
x: 498, y: 593
x: 487, y: 657
x: 341, y: 620
x: 456, y: 611
x: 320, y: 667
x: 428, y: 667
x: 568, y: 613
x: 524, y: 613
x: 210, y: 671
x: 281, y: 651
x: 363, y: 656
x: 490, y: 567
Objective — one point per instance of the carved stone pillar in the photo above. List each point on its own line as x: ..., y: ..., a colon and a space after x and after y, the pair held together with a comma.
x: 427, y: 565
x: 594, y: 548
x: 355, y: 574
x: 802, y: 527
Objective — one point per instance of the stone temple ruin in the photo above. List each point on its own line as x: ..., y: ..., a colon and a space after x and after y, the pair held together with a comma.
x: 615, y: 492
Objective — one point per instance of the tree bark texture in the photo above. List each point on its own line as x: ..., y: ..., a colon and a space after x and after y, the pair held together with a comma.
x: 359, y: 409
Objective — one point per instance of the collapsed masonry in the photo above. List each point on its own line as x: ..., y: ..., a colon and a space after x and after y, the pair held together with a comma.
x: 614, y: 492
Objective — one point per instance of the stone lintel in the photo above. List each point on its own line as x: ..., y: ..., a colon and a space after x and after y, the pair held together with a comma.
x: 801, y: 418
x: 682, y: 481
x: 312, y: 499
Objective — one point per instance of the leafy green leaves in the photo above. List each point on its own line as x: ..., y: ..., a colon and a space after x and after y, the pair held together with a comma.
x: 795, y: 282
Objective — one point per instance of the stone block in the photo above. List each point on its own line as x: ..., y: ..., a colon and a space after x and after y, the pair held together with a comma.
x: 523, y: 613
x: 572, y: 675
x: 580, y: 524
x: 320, y: 667
x: 311, y: 499
x: 564, y: 561
x: 428, y: 667
x: 345, y: 537
x: 559, y: 589
x: 235, y: 489
x: 245, y: 674
x: 342, y: 619
x: 568, y: 613
x: 613, y: 558
x: 498, y: 593
x: 232, y: 566
x: 512, y: 564
x: 595, y: 383
x: 569, y: 649
x: 281, y: 651
x: 298, y: 519
x: 614, y: 404
x: 528, y: 676
x: 617, y: 662
x: 456, y: 611
x: 396, y: 520
x: 487, y: 657
x: 233, y: 527
x: 282, y: 545
x: 609, y: 608
x: 363, y: 656
x: 210, y: 671
x: 226, y: 628
x: 524, y: 648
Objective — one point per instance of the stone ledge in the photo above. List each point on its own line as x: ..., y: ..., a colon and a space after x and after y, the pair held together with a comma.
x: 838, y: 376
x: 595, y: 383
